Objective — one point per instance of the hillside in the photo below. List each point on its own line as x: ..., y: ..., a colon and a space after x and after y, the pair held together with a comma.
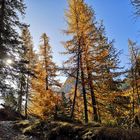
x: 40, y: 130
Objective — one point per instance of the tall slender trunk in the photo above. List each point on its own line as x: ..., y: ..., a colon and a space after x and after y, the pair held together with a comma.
x: 84, y: 89
x: 93, y: 98
x: 133, y: 89
x: 20, y: 97
x: 26, y: 98
x: 90, y: 83
x: 46, y: 79
x: 133, y: 103
x: 76, y: 84
x: 99, y: 115
x: 136, y: 86
x: 46, y: 64
x: 2, y: 5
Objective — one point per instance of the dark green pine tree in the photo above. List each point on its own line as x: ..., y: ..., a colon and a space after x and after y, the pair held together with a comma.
x: 10, y: 43
x: 9, y: 20
x: 136, y: 4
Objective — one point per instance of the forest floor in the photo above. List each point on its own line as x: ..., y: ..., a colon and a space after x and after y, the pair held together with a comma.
x: 7, y: 132
x: 41, y: 130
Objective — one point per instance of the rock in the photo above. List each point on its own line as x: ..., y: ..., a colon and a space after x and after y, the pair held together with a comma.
x: 8, y: 114
x: 7, y: 132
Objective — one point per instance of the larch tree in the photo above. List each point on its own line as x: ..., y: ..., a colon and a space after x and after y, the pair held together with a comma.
x: 134, y: 73
x: 81, y: 22
x: 50, y: 67
x: 44, y: 94
x: 29, y: 58
x: 92, y: 57
x: 75, y: 18
x: 42, y: 101
x: 104, y: 60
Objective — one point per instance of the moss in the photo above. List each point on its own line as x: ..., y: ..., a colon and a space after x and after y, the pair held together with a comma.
x: 19, y: 125
x: 34, y: 128
x: 28, y: 129
x: 26, y: 126
x: 68, y: 131
x: 23, y: 123
x: 110, y: 123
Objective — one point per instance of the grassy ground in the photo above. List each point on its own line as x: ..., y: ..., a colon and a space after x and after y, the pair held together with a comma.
x: 67, y: 131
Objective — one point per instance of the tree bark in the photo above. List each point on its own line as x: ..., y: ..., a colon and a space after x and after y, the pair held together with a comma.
x: 26, y: 100
x: 93, y: 98
x: 83, y: 89
x: 76, y: 84
x: 2, y: 4
x: 46, y: 63
x: 20, y: 98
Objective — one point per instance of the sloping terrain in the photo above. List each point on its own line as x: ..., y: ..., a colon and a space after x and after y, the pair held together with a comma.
x: 74, y: 131
x: 7, y: 132
x: 41, y: 130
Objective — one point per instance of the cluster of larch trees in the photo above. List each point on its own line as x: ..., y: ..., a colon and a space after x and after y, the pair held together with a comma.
x: 44, y: 87
x: 133, y: 76
x: 93, y: 60
x: 30, y: 83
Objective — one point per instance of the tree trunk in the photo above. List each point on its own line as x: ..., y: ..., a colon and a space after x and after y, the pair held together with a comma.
x: 84, y: 89
x: 76, y: 84
x: 46, y: 64
x: 46, y: 79
x: 136, y: 86
x: 133, y: 89
x: 90, y: 84
x: 2, y: 5
x: 20, y: 98
x: 26, y: 100
x: 94, y: 105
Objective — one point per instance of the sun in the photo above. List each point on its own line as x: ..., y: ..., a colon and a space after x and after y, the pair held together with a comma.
x: 9, y: 62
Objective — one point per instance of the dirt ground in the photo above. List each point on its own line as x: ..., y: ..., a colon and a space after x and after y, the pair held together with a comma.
x: 8, y: 133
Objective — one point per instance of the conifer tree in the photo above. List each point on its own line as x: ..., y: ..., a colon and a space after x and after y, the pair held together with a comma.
x: 44, y: 96
x: 75, y: 19
x: 92, y: 57
x: 49, y: 66
x: 10, y: 44
x: 43, y: 102
x: 29, y: 58
x: 9, y: 19
x: 134, y: 74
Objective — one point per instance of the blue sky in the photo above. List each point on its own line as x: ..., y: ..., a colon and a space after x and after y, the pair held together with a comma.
x: 48, y: 16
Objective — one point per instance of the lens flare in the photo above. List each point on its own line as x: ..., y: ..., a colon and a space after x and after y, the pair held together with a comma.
x: 9, y: 62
